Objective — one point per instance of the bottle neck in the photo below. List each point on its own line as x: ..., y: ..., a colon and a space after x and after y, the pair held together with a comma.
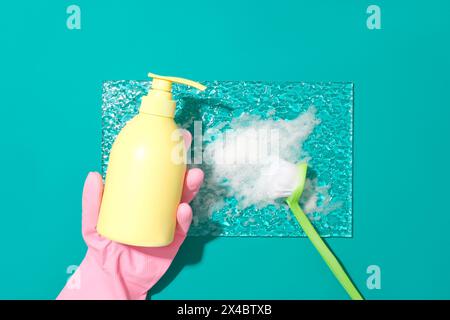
x: 159, y: 103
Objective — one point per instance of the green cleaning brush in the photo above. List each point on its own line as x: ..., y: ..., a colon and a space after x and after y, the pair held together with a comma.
x: 288, y: 181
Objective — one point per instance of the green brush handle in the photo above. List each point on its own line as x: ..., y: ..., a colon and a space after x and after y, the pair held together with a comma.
x: 308, y: 228
x: 324, y: 251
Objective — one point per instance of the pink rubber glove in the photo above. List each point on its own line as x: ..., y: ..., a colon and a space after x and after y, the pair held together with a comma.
x: 111, y: 270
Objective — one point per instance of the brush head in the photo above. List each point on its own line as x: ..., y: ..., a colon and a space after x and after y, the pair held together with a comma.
x: 282, y: 178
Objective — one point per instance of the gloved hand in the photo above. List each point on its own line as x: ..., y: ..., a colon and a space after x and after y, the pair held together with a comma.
x: 111, y: 270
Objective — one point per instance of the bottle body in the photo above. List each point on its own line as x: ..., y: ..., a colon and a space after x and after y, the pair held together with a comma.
x: 143, y: 183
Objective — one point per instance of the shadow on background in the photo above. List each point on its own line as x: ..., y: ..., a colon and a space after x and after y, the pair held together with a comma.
x: 190, y: 253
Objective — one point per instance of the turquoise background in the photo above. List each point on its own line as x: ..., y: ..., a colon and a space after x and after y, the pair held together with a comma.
x: 51, y: 132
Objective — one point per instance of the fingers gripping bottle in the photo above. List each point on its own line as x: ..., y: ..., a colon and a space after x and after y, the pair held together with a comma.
x: 145, y: 173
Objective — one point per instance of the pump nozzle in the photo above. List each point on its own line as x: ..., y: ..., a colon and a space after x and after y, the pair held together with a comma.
x: 159, y: 101
x: 165, y: 83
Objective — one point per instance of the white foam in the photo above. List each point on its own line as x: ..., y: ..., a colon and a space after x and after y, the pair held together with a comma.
x: 251, y: 153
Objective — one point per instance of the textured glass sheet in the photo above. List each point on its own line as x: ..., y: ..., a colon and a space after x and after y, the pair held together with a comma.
x: 329, y: 145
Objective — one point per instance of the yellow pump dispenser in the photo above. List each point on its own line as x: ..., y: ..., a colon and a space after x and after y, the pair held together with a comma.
x: 145, y: 173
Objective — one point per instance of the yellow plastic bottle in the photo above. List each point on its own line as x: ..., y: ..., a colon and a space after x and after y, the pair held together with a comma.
x: 145, y: 173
